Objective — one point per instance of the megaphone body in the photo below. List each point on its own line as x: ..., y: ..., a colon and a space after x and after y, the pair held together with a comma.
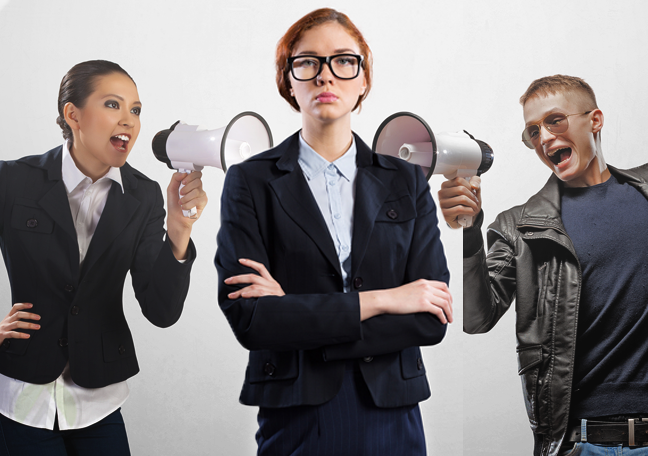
x: 409, y: 137
x: 188, y: 148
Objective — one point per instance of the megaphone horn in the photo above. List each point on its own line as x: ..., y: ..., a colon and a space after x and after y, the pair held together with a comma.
x: 188, y: 148
x: 409, y: 137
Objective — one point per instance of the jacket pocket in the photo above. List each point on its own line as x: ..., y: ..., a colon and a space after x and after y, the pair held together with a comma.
x: 529, y: 360
x: 397, y: 211
x: 543, y: 272
x: 117, y: 345
x: 412, y: 363
x: 270, y: 365
x: 27, y: 215
x: 15, y: 346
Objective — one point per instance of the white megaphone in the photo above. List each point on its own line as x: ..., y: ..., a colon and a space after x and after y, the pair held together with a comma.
x: 188, y: 148
x: 407, y: 136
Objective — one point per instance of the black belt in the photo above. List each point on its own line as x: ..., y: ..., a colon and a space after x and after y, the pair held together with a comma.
x: 634, y: 432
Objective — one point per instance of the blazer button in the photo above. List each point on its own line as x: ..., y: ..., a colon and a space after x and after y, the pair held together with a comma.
x: 32, y: 223
x: 367, y: 359
x: 392, y: 214
x: 6, y: 343
x: 357, y: 282
x: 419, y: 363
x: 74, y: 310
x: 63, y: 342
x: 69, y: 288
x: 269, y: 369
x: 122, y: 350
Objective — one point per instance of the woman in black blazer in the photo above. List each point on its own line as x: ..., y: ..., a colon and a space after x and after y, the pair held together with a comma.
x: 332, y: 271
x: 73, y: 222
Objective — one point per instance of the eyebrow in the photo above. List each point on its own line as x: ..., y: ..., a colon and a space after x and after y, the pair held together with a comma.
x: 336, y: 51
x: 547, y: 113
x: 114, y: 95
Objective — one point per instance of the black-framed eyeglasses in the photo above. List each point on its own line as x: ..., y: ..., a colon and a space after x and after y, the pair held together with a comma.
x: 308, y: 67
x: 555, y: 123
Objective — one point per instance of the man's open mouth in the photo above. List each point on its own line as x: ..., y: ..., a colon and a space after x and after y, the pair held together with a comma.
x: 560, y: 155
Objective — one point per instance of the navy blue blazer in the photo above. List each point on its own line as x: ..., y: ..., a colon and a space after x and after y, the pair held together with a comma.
x: 82, y: 318
x: 299, y: 342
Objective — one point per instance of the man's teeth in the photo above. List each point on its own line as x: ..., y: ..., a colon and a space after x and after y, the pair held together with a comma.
x: 122, y: 137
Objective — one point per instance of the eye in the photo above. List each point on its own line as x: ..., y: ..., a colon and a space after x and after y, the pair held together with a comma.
x: 111, y: 104
x: 345, y: 60
x: 533, y: 132
x: 305, y: 63
x: 136, y: 110
x: 555, y: 120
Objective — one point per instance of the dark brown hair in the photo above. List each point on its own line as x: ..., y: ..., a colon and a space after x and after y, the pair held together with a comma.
x: 79, y: 83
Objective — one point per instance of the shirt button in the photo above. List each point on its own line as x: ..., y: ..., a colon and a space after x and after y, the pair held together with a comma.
x: 63, y: 342
x: 367, y: 359
x: 337, y: 216
x: 392, y: 214
x: 357, y: 282
x: 6, y: 344
x: 345, y: 248
x: 419, y: 364
x: 122, y: 350
x: 32, y: 223
x: 74, y: 310
x: 69, y: 288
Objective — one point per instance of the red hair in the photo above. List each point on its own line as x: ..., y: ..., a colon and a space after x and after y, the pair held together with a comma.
x: 287, y: 44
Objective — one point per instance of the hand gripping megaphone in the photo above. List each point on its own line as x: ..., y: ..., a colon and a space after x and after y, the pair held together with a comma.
x: 188, y: 148
x: 407, y: 136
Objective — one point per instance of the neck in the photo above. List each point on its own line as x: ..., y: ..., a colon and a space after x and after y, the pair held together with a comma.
x: 330, y: 140
x: 94, y: 171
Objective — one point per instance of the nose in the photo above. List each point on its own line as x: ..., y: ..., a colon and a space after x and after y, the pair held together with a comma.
x: 127, y: 119
x: 545, y: 135
x: 326, y: 75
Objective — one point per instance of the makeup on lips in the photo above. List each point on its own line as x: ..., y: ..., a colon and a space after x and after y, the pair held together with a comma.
x: 120, y: 142
x: 326, y: 97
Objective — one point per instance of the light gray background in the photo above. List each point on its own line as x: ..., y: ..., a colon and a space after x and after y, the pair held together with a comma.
x: 458, y: 64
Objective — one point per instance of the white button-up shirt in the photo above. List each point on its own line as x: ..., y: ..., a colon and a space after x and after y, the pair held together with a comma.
x: 76, y: 407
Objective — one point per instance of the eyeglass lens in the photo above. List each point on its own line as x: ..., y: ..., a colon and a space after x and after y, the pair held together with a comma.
x: 556, y: 123
x: 342, y: 66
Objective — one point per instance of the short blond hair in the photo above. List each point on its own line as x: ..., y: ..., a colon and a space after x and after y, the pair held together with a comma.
x: 560, y: 83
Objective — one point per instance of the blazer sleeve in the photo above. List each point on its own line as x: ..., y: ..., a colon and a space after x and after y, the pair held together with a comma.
x: 290, y: 322
x: 389, y: 333
x: 160, y: 281
x: 489, y: 280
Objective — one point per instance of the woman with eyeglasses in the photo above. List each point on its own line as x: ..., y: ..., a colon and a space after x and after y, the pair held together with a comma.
x: 332, y: 271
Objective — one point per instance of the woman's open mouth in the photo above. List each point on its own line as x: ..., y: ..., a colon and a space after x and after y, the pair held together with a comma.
x: 560, y: 155
x: 120, y: 142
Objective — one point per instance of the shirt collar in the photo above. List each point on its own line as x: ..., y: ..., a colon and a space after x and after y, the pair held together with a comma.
x: 72, y: 176
x: 313, y: 163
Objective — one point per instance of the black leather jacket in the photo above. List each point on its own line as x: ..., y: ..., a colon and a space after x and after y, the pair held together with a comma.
x: 532, y: 260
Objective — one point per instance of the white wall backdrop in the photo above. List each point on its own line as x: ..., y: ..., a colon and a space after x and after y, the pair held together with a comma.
x: 459, y: 64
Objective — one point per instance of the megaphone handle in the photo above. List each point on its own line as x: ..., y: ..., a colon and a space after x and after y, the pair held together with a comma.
x: 466, y: 220
x: 192, y: 212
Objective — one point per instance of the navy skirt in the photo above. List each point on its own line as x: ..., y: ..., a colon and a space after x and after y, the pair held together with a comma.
x: 347, y: 425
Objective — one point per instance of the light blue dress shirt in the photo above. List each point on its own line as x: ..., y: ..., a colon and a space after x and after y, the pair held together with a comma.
x: 333, y: 187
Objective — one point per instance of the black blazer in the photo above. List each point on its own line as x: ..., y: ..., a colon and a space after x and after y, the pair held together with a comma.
x: 82, y: 319
x: 299, y: 342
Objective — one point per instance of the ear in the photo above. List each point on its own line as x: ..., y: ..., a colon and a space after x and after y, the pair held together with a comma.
x: 364, y: 84
x: 597, y: 120
x: 71, y: 114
